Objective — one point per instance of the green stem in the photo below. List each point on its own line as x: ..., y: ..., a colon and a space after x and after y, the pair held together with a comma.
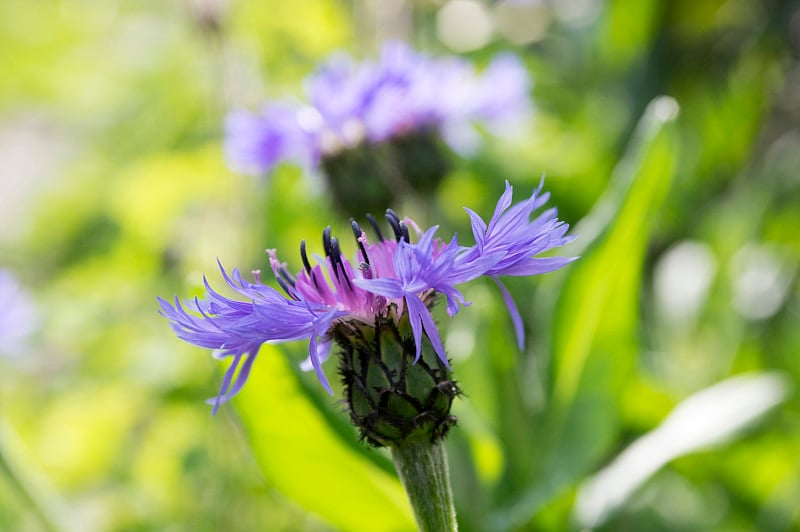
x: 422, y: 467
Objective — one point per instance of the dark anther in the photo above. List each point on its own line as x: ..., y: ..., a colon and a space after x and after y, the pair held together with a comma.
x: 390, y: 214
x: 395, y: 222
x: 355, y: 227
x: 334, y: 251
x: 357, y: 233
x: 337, y: 263
x: 288, y: 277
x: 304, y: 256
x: 286, y: 288
x: 404, y: 231
x: 375, y: 227
x: 326, y: 241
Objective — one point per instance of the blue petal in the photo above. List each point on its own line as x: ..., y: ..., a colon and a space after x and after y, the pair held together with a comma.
x: 478, y: 227
x: 383, y: 287
x: 516, y: 318
x: 315, y: 362
x: 537, y: 266
x: 421, y: 319
x: 225, y: 394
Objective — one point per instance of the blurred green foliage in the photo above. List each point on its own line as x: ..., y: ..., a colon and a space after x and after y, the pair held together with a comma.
x: 113, y: 190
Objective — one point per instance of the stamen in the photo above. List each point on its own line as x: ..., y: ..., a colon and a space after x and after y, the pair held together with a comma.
x: 356, y: 229
x: 326, y: 241
x: 413, y: 225
x: 375, y: 227
x: 335, y: 252
x: 286, y: 289
x: 394, y: 221
x: 288, y: 277
x: 256, y: 276
x: 404, y: 230
x: 282, y: 276
x: 357, y: 232
x: 304, y: 257
x: 336, y: 261
x: 307, y: 265
x: 397, y: 225
x: 390, y: 214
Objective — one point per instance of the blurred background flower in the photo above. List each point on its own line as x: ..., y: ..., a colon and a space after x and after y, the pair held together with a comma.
x: 17, y: 314
x: 114, y: 188
x: 375, y: 129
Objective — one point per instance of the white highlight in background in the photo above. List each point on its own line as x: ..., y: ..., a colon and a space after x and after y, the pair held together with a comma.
x: 708, y: 417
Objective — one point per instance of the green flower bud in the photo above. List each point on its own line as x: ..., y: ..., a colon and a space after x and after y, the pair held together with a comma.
x: 366, y: 177
x: 361, y: 178
x: 421, y: 159
x: 392, y: 398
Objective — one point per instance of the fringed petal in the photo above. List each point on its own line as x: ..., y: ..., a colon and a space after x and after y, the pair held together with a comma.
x: 516, y: 318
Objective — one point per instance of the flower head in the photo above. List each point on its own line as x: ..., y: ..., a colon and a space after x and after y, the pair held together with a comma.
x: 391, y: 283
x: 401, y: 93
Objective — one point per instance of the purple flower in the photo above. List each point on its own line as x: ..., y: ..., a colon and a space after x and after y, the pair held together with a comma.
x: 402, y: 92
x: 389, y: 278
x: 17, y: 314
x: 258, y: 141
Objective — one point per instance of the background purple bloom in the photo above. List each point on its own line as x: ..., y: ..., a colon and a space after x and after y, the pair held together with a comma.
x: 257, y: 142
x: 400, y: 93
x: 17, y: 314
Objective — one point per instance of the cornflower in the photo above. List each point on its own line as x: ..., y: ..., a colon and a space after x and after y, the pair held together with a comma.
x: 377, y: 309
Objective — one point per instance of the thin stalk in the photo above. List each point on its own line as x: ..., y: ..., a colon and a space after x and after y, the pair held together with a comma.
x: 422, y: 467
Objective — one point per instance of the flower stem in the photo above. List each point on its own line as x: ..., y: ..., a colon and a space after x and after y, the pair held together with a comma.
x: 422, y: 467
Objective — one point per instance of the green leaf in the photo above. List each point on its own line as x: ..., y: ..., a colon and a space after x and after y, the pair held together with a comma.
x: 598, y: 308
x: 595, y: 324
x: 306, y: 460
x: 709, y: 417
